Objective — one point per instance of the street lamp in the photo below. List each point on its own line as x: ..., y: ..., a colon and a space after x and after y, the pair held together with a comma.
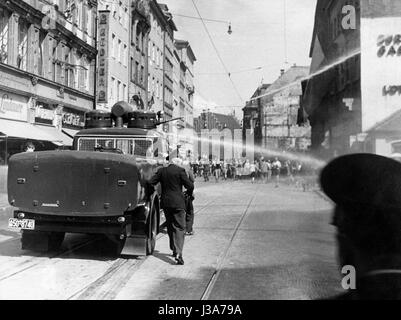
x: 230, y: 31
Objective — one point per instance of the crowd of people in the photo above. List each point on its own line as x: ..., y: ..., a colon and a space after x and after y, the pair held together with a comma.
x: 263, y: 170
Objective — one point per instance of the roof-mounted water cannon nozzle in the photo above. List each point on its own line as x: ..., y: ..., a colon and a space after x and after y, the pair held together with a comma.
x: 120, y: 112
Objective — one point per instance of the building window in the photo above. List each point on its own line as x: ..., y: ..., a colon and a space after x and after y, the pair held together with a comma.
x: 132, y: 66
x: 157, y: 57
x: 142, y: 80
x: 120, y: 14
x: 40, y: 56
x: 125, y: 55
x: 22, y: 44
x: 136, y: 72
x: 85, y: 72
x: 77, y: 73
x: 3, y: 36
x: 113, y: 44
x: 112, y: 89
x: 79, y: 15
x: 126, y: 25
x: 118, y: 90
x: 125, y: 92
x: 89, y: 22
x: 119, y: 51
x: 67, y: 67
x: 149, y: 54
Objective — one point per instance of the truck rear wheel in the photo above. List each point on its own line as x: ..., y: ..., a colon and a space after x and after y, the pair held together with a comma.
x: 151, y: 227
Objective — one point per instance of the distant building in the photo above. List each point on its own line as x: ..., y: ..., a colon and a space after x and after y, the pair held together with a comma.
x: 271, y: 115
x: 185, y: 95
x: 139, y: 62
x: 156, y: 56
x: 210, y: 123
x: 168, y: 63
x: 280, y: 107
x: 252, y: 118
x: 114, y: 44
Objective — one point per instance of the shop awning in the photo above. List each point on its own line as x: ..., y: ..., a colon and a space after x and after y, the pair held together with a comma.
x: 24, y: 130
x: 70, y: 132
x: 59, y: 138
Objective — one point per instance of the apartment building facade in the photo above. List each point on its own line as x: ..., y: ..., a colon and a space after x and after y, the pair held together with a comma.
x: 47, y: 67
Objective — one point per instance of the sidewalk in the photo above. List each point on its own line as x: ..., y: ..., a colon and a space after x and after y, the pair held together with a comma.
x: 3, y: 179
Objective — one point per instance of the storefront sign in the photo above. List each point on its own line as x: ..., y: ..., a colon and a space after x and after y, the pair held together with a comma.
x: 73, y: 119
x: 380, y: 60
x: 103, y: 56
x: 44, y: 113
x: 13, y: 106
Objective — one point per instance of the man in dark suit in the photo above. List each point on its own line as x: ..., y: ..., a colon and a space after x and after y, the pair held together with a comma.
x: 172, y: 178
x: 366, y: 189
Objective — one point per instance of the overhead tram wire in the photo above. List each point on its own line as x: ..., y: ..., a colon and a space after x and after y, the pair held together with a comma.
x: 233, y: 72
x: 196, y: 18
x: 217, y: 51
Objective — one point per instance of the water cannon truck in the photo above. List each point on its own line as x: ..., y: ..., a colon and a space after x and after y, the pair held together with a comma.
x: 99, y: 187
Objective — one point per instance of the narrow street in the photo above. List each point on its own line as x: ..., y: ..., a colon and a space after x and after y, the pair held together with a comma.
x: 252, y: 241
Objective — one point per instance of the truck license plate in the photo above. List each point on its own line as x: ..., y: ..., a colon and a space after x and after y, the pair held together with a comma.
x: 27, y: 224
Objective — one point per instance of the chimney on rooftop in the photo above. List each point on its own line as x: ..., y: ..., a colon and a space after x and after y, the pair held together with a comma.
x: 282, y: 71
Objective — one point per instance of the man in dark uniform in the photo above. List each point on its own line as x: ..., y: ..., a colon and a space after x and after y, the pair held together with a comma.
x: 366, y: 189
x: 172, y: 178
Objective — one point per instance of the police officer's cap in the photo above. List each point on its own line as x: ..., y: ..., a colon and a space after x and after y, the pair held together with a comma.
x: 363, y: 179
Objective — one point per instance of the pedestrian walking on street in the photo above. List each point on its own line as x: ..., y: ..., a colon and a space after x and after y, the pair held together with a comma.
x: 264, y: 169
x: 189, y: 206
x: 276, y: 167
x: 252, y: 170
x: 206, y: 170
x: 366, y: 189
x: 172, y: 179
x: 269, y: 170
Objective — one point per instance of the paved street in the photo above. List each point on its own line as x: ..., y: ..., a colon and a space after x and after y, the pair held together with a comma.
x: 252, y: 241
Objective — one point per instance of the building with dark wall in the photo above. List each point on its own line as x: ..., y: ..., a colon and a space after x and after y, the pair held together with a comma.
x: 252, y: 117
x: 47, y: 68
x: 332, y: 97
x: 352, y: 96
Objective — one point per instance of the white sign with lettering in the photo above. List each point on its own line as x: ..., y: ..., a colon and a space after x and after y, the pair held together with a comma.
x: 380, y: 60
x: 13, y: 106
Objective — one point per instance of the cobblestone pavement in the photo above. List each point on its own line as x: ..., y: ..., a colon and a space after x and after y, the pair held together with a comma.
x: 252, y: 241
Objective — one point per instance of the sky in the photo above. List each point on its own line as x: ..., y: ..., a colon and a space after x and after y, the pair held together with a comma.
x: 257, y: 40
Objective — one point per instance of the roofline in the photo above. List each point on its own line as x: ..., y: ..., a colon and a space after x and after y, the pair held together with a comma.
x: 159, y: 12
x: 314, y: 33
x: 185, y: 44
